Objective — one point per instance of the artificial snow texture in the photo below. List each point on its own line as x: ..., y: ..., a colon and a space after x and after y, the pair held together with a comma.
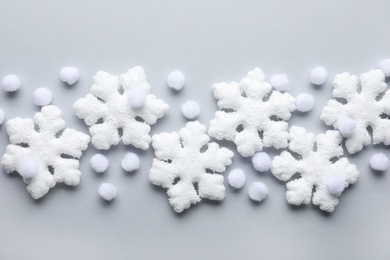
x: 99, y: 163
x: 190, y: 109
x: 69, y: 75
x: 258, y: 191
x: 106, y: 111
x: 2, y: 116
x: 280, y: 82
x: 379, y: 162
x: 261, y: 162
x: 42, y: 97
x: 188, y: 173
x: 107, y: 191
x: 57, y: 157
x: 176, y: 80
x: 304, y: 102
x: 366, y: 107
x: 246, y: 119
x: 318, y: 157
x: 237, y: 178
x: 318, y: 76
x: 130, y: 162
x: 10, y: 83
x: 384, y: 65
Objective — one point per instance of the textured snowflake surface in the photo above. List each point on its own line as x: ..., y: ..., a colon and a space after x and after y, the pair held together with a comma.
x: 318, y: 159
x: 107, y: 111
x: 56, y: 157
x: 188, y: 173
x: 252, y: 114
x: 367, y: 107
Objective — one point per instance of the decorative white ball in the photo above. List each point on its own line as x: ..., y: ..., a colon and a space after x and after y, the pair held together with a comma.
x: 190, y: 109
x: 280, y: 82
x: 107, y: 191
x: 346, y: 126
x: 137, y: 97
x: 258, y: 191
x: 42, y: 97
x: 176, y: 80
x: 384, y: 65
x: 261, y: 162
x: 318, y: 76
x: 130, y: 162
x: 10, y: 83
x: 304, y: 102
x: 379, y: 162
x: 237, y: 178
x: 335, y: 184
x: 69, y: 75
x: 28, y: 167
x: 2, y: 116
x: 99, y: 162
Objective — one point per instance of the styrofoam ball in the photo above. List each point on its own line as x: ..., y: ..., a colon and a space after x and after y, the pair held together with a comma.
x: 335, y: 184
x: 130, y: 162
x: 10, y: 83
x: 261, y: 162
x: 190, y: 109
x: 379, y: 162
x: 384, y: 65
x: 69, y: 75
x: 137, y: 97
x: 28, y: 167
x: 346, y: 126
x: 304, y: 102
x: 42, y: 96
x: 258, y: 191
x: 107, y: 191
x: 176, y: 80
x: 237, y: 178
x: 318, y: 76
x: 280, y: 82
x: 99, y: 162
x: 2, y: 116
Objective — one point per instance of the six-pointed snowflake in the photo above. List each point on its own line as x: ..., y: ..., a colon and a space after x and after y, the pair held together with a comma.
x: 107, y: 112
x: 318, y: 164
x: 248, y: 118
x: 365, y: 107
x: 51, y: 153
x: 184, y: 170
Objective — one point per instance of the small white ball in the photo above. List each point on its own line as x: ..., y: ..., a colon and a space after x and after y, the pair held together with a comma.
x: 107, y: 191
x: 28, y: 167
x: 137, y: 97
x: 190, y: 109
x: 69, y: 75
x: 42, y: 97
x: 280, y: 82
x: 384, y: 65
x: 130, y: 162
x: 2, y: 116
x: 379, y: 162
x: 258, y: 191
x: 261, y: 162
x: 304, y: 102
x: 10, y: 83
x: 335, y: 184
x: 176, y: 80
x: 346, y: 126
x: 318, y: 76
x: 237, y: 178
x: 99, y: 162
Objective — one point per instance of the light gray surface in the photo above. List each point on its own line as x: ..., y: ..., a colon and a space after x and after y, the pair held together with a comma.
x: 210, y: 41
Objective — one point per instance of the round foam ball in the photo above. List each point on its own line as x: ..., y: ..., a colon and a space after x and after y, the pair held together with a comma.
x: 10, y: 83
x: 107, y: 191
x: 346, y: 126
x: 70, y: 75
x: 318, y: 76
x: 137, y: 97
x: 261, y: 162
x: 304, y: 102
x: 190, y: 109
x: 384, y: 65
x: 379, y: 162
x: 99, y: 162
x: 176, y: 80
x: 237, y: 178
x: 280, y: 82
x: 2, y: 116
x: 28, y: 167
x: 258, y: 191
x: 335, y: 184
x: 130, y: 162
x: 42, y: 97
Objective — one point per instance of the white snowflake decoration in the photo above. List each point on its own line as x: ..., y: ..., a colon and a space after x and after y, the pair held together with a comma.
x: 51, y: 153
x: 364, y: 107
x: 184, y: 170
x: 247, y: 118
x: 317, y: 167
x: 106, y: 111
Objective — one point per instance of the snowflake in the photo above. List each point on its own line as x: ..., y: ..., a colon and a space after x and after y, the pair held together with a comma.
x: 252, y: 115
x: 317, y: 165
x: 56, y: 157
x: 188, y: 173
x: 107, y: 112
x: 365, y: 107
